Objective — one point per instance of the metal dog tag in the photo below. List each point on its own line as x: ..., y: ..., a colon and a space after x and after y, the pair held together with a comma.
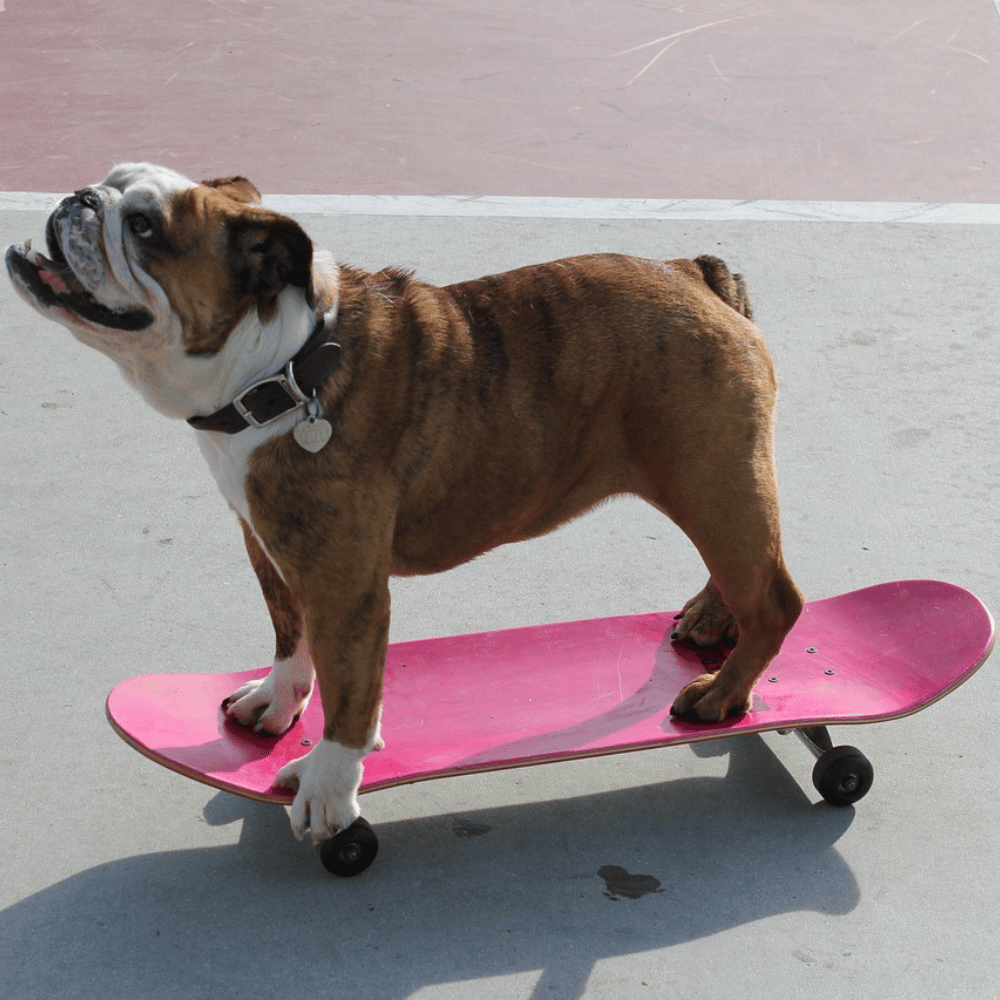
x: 314, y: 432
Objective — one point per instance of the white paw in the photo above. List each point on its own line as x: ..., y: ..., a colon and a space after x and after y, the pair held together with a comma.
x: 326, y: 782
x: 273, y: 703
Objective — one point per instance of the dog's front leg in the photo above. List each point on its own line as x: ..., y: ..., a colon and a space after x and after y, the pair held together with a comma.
x: 273, y: 703
x: 348, y: 636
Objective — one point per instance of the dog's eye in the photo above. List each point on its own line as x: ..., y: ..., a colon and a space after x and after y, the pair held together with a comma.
x: 140, y: 225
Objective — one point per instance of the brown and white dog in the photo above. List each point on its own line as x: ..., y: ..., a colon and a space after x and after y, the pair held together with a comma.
x: 364, y: 425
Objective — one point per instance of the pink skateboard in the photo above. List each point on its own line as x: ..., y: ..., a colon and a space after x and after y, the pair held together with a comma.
x: 518, y: 697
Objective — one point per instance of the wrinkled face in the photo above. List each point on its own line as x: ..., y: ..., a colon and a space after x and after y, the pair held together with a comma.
x: 149, y: 261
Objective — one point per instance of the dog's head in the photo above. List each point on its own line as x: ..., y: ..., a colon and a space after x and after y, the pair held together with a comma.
x: 165, y: 275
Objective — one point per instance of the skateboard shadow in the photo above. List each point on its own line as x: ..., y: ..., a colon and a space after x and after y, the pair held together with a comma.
x: 541, y: 891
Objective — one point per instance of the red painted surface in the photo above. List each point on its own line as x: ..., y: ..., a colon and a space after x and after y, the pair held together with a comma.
x: 791, y: 99
x: 524, y: 696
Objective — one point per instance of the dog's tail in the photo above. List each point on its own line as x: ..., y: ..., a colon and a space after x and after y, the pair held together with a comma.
x: 731, y: 288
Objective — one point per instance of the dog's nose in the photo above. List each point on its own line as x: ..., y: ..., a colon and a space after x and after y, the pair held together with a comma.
x: 89, y: 198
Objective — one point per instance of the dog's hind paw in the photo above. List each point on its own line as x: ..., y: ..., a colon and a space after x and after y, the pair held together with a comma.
x: 705, y: 619
x: 706, y: 700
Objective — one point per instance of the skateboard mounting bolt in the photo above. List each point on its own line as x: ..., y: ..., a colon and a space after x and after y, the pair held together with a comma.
x: 306, y: 743
x: 811, y: 649
x: 772, y: 680
x: 829, y: 673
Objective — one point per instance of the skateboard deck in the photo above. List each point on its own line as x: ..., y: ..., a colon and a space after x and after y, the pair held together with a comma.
x: 524, y: 696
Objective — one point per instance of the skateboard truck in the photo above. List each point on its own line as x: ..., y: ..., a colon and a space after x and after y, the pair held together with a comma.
x: 842, y: 775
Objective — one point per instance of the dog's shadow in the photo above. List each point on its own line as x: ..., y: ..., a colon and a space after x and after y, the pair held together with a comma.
x: 543, y: 890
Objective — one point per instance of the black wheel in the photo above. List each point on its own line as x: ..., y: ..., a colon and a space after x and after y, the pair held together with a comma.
x: 351, y: 851
x: 843, y: 775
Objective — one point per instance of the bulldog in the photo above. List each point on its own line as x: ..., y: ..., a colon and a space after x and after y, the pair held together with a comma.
x: 364, y: 425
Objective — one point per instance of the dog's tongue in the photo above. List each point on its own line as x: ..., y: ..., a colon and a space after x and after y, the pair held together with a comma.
x: 61, y: 280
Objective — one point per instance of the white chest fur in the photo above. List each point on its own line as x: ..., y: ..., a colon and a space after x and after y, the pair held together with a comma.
x: 228, y: 458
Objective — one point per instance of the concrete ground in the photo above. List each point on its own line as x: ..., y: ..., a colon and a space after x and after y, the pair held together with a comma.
x: 117, y: 557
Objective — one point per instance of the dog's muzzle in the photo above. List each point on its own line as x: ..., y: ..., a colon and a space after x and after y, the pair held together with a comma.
x: 74, y: 265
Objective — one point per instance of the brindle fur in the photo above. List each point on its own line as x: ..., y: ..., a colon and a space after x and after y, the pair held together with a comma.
x: 494, y: 410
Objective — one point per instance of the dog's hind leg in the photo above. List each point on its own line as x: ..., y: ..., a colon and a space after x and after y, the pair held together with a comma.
x: 719, y: 485
x: 710, y: 467
x: 750, y: 594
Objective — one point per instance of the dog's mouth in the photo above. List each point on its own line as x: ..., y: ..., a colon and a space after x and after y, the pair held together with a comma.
x: 52, y: 282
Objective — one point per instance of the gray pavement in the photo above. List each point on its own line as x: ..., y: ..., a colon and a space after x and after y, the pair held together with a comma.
x: 121, y: 879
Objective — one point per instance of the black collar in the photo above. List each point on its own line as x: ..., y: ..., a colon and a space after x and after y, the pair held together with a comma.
x: 270, y: 398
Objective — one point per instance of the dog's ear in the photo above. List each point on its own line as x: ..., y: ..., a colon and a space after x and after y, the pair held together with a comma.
x: 269, y: 252
x: 237, y: 188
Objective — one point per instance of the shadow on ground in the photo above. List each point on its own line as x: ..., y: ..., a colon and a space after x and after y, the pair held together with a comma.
x: 548, y: 887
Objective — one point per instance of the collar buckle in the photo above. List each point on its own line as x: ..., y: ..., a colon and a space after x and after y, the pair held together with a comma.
x: 265, y: 401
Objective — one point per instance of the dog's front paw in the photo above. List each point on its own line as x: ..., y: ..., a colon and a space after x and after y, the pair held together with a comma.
x: 273, y: 703
x: 705, y: 699
x: 326, y: 781
x: 705, y: 619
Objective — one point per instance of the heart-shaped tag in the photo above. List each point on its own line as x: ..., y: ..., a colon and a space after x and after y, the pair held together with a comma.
x: 312, y: 434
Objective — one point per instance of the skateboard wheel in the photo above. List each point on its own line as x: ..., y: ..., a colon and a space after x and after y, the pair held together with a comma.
x: 843, y: 775
x: 351, y: 851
